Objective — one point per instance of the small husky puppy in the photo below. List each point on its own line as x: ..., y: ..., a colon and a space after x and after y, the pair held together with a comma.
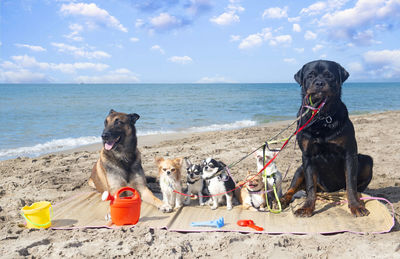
x: 273, y: 175
x: 170, y: 180
x: 252, y: 194
x: 218, y: 181
x: 195, y: 182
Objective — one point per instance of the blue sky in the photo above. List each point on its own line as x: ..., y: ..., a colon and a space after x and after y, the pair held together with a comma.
x: 195, y: 41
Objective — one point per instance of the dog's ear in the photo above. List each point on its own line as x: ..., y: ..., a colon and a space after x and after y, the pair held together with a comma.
x: 134, y: 117
x: 343, y: 74
x: 187, y: 162
x: 159, y: 160
x: 111, y: 111
x: 299, y: 76
x: 178, y: 162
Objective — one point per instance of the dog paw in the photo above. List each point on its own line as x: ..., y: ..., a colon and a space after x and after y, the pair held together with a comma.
x: 304, y: 212
x: 359, y: 211
x: 214, y: 207
x: 284, y: 202
x: 229, y: 207
x: 166, y: 208
x: 202, y: 204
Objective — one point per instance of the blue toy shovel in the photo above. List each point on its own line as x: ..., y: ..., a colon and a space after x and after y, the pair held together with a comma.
x: 218, y: 223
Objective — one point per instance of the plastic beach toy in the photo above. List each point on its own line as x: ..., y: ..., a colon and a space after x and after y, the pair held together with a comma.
x: 38, y: 214
x: 124, y: 210
x: 218, y: 223
x: 249, y: 223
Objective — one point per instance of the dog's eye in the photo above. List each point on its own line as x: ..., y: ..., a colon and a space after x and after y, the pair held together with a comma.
x: 327, y: 75
x: 173, y: 170
x: 164, y: 169
x: 117, y: 122
x: 311, y: 75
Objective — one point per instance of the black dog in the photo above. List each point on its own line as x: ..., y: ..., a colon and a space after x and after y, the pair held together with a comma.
x: 329, y: 149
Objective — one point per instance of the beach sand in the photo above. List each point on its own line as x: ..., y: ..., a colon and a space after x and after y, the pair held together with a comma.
x: 56, y: 177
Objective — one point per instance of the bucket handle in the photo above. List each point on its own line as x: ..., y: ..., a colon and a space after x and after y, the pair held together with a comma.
x: 134, y: 192
x: 37, y: 224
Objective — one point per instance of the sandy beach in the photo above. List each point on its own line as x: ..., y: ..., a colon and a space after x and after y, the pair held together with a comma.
x: 56, y: 177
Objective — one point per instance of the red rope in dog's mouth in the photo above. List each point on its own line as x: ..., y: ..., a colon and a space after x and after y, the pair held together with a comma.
x: 269, y: 162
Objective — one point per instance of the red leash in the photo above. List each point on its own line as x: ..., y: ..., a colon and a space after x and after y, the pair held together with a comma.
x: 269, y: 162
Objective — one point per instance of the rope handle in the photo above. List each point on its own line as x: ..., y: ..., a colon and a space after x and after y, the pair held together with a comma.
x: 37, y: 224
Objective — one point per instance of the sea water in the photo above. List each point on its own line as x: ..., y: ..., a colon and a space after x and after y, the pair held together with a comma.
x: 43, y: 118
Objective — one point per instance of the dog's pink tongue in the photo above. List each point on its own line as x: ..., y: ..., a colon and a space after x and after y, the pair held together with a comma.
x: 109, y: 145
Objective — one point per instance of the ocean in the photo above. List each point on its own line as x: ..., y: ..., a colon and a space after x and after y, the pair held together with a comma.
x: 44, y: 118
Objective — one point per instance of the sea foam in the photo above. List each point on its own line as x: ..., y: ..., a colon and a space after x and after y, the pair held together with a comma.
x: 48, y: 147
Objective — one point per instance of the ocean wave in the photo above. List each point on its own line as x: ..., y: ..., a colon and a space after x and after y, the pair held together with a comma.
x: 227, y: 126
x: 70, y: 143
x: 213, y: 127
x: 48, y: 147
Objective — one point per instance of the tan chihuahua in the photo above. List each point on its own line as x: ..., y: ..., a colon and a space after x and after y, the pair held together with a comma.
x: 169, y: 171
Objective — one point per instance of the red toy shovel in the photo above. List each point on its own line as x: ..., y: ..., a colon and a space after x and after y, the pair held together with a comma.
x: 249, y: 223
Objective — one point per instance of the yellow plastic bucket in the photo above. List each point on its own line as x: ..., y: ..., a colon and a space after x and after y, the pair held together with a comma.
x: 38, y: 214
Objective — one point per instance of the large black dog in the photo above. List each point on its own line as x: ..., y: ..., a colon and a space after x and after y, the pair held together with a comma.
x: 330, y: 160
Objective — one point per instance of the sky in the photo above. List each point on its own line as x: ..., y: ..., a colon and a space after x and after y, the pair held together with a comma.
x: 195, y: 41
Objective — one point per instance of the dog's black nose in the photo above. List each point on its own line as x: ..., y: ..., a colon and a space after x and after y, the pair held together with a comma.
x: 319, y: 83
x: 106, y: 135
x: 168, y: 172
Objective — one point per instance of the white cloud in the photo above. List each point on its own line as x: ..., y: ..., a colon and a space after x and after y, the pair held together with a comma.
x: 251, y: 41
x: 234, y: 38
x: 257, y: 39
x: 275, y: 12
x: 133, y: 39
x: 165, y: 21
x: 309, y: 35
x: 296, y: 27
x: 25, y: 62
x: 226, y: 18
x: 157, y: 48
x: 294, y: 19
x: 31, y: 47
x: 22, y: 76
x: 290, y: 60
x: 181, y: 60
x: 80, y: 52
x: 281, y: 39
x: 347, y: 24
x: 230, y: 16
x: 355, y: 67
x: 76, y: 29
x: 320, y: 7
x: 139, y: 23
x: 383, y: 57
x: 92, y: 12
x: 71, y: 68
x: 118, y: 76
x: 317, y: 47
x: 214, y: 79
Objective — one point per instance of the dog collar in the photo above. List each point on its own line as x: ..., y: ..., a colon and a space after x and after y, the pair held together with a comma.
x: 254, y: 192
x: 192, y: 182
x: 215, y: 174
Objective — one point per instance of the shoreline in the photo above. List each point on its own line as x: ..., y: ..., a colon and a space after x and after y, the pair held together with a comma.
x: 154, y: 139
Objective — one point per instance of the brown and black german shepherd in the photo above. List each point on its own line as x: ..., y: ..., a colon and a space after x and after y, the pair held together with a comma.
x: 120, y: 163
